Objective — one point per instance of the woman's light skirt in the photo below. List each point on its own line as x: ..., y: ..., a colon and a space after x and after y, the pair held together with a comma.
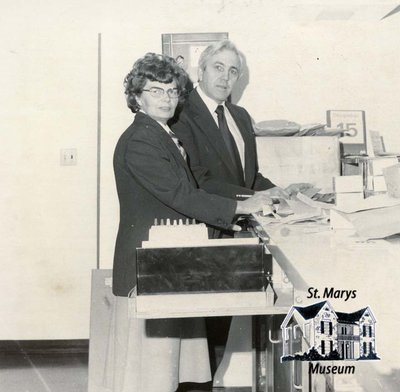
x: 154, y: 355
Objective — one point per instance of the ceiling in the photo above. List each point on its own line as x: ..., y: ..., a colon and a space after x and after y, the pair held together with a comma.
x: 360, y: 10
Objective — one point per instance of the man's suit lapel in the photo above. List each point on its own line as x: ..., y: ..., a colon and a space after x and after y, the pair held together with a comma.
x: 205, y: 122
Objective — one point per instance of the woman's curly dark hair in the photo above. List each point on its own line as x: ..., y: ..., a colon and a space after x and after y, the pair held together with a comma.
x: 154, y: 67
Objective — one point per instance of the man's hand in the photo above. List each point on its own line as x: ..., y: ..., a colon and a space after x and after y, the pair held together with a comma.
x: 275, y: 193
x: 254, y: 203
x: 294, y: 189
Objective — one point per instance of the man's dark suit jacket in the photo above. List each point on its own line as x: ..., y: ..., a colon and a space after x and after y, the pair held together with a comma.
x: 154, y: 181
x: 209, y: 159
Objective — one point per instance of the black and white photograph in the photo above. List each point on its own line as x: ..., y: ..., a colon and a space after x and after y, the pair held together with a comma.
x: 200, y: 196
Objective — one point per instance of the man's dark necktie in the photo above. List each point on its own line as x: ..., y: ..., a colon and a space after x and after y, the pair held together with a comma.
x: 229, y: 141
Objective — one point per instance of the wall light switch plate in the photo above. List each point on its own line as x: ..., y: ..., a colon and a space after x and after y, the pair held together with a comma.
x: 68, y: 156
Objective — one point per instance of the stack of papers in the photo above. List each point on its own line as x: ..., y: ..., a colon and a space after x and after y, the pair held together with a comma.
x: 276, y: 128
x: 290, y: 128
x: 296, y: 210
x: 374, y: 218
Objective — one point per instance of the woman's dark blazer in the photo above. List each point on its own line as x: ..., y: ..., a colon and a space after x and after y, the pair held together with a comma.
x: 154, y: 181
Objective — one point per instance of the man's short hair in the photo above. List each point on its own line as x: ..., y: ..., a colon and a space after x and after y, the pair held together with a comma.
x: 217, y: 47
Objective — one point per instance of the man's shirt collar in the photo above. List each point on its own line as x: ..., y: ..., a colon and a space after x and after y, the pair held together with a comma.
x: 210, y: 103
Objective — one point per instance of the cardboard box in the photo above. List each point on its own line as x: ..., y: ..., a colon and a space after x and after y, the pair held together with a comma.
x: 344, y: 200
x: 379, y: 183
x: 376, y: 165
x: 287, y: 160
x: 347, y: 184
x: 392, y: 179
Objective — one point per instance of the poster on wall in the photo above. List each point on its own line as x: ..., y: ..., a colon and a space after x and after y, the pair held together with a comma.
x: 186, y: 48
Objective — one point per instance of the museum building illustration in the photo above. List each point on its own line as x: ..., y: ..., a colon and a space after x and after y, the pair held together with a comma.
x: 318, y: 332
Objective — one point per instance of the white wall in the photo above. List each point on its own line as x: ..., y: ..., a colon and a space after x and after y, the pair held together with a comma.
x: 299, y: 66
x: 48, y: 237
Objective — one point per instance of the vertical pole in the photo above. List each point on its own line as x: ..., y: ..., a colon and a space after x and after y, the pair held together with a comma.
x: 98, y: 150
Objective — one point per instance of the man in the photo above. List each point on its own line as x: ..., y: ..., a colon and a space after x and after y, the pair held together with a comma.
x: 219, y: 139
x: 219, y: 168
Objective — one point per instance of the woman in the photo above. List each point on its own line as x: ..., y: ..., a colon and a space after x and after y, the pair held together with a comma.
x: 154, y: 181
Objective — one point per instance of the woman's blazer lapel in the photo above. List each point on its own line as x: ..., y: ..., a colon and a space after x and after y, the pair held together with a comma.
x: 167, y: 142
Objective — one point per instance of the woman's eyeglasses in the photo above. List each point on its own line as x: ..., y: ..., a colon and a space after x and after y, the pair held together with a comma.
x: 158, y: 92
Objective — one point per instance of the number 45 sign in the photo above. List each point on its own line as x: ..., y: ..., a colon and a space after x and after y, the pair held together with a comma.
x: 352, y: 122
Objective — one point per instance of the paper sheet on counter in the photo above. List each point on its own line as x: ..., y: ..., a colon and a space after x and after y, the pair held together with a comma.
x: 373, y: 202
x: 312, y: 203
x: 375, y: 223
